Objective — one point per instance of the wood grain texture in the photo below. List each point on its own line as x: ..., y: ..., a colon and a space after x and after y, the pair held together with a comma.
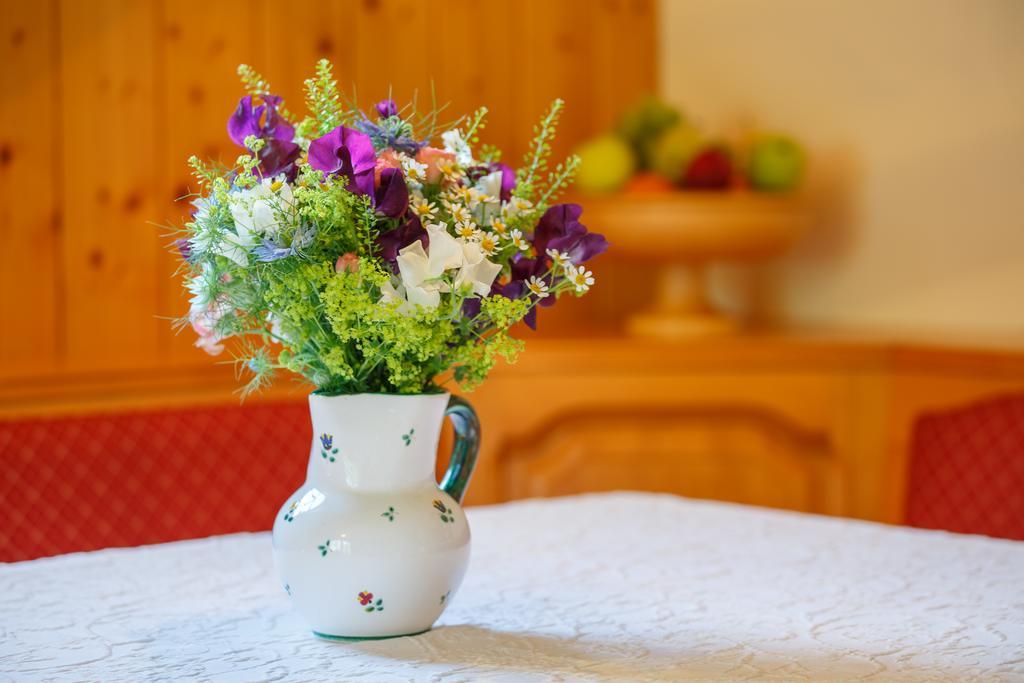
x: 197, y: 62
x: 30, y: 201
x: 110, y: 253
x: 109, y: 99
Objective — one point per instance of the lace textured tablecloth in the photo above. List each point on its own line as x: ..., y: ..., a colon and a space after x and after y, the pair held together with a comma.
x: 598, y: 587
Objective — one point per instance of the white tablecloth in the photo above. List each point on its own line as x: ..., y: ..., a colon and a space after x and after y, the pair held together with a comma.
x: 618, y: 586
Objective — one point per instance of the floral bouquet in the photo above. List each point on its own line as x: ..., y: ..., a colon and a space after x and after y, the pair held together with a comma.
x: 351, y: 250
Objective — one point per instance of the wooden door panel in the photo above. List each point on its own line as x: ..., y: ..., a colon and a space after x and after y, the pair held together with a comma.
x: 733, y: 453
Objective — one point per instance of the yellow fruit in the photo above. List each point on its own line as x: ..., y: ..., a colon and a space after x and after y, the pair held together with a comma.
x: 606, y: 163
x: 673, y: 150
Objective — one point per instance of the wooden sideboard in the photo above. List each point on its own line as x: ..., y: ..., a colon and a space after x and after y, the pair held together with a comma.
x: 804, y: 422
x: 819, y: 424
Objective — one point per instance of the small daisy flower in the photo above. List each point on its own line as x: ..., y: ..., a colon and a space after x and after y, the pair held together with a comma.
x: 460, y: 214
x: 516, y: 206
x: 466, y: 230
x: 498, y: 226
x: 458, y: 193
x: 414, y: 169
x: 449, y: 168
x: 560, y: 258
x: 488, y: 243
x: 424, y: 208
x: 580, y: 277
x: 476, y: 197
x: 518, y: 241
x: 538, y: 287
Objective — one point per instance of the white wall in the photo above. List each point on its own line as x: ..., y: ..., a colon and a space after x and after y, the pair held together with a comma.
x: 913, y: 112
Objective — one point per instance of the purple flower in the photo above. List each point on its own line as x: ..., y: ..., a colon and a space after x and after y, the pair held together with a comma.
x: 387, y: 108
x: 278, y: 156
x: 559, y: 228
x: 392, y: 241
x: 471, y: 307
x: 263, y: 121
x: 326, y: 440
x: 384, y: 137
x: 184, y: 248
x: 346, y: 152
x: 280, y: 152
x: 392, y: 197
x: 508, y: 179
x: 270, y: 251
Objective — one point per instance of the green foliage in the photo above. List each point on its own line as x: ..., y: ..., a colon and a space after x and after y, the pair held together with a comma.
x: 323, y: 100
x: 535, y: 163
x: 262, y: 253
x: 252, y: 81
x: 257, y: 86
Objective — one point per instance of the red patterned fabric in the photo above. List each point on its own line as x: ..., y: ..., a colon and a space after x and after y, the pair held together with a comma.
x: 81, y: 483
x: 967, y: 470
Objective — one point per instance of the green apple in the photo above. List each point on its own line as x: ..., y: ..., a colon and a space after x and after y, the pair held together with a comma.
x: 776, y: 163
x: 671, y: 153
x: 643, y: 122
x: 606, y: 163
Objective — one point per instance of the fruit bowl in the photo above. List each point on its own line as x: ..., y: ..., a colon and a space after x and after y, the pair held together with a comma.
x: 683, y: 233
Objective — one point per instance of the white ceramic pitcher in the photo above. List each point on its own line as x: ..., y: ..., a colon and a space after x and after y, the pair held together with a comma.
x: 370, y: 546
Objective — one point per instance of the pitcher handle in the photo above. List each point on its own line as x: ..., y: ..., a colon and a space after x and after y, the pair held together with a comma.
x: 464, y: 450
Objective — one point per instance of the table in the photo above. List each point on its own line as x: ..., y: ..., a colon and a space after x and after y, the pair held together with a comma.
x: 622, y: 586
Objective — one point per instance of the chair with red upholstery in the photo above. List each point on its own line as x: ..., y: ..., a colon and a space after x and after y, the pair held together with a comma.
x: 82, y: 483
x: 967, y: 469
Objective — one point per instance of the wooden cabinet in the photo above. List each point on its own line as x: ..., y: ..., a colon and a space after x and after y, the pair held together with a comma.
x: 795, y: 422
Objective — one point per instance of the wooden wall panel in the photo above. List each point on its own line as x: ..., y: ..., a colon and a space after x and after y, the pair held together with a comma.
x: 108, y: 98
x: 394, y: 48
x: 110, y: 254
x: 287, y: 63
x: 197, y: 90
x: 29, y: 197
x: 622, y: 32
x: 468, y: 74
x: 554, y: 53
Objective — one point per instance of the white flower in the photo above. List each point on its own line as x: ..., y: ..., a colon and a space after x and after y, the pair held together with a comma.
x: 538, y: 287
x: 516, y: 206
x: 485, y: 197
x: 459, y: 193
x: 421, y: 272
x: 449, y: 168
x: 390, y: 293
x: 414, y: 170
x: 476, y: 271
x: 423, y: 208
x: 560, y: 258
x: 454, y: 143
x: 579, y: 276
x: 488, y: 187
x: 260, y: 211
x: 460, y: 214
x: 488, y: 243
x: 265, y: 208
x: 205, y: 312
x: 467, y: 231
x: 518, y: 241
x: 498, y: 226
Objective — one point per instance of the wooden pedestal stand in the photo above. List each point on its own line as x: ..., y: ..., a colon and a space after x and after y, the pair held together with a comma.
x: 683, y: 233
